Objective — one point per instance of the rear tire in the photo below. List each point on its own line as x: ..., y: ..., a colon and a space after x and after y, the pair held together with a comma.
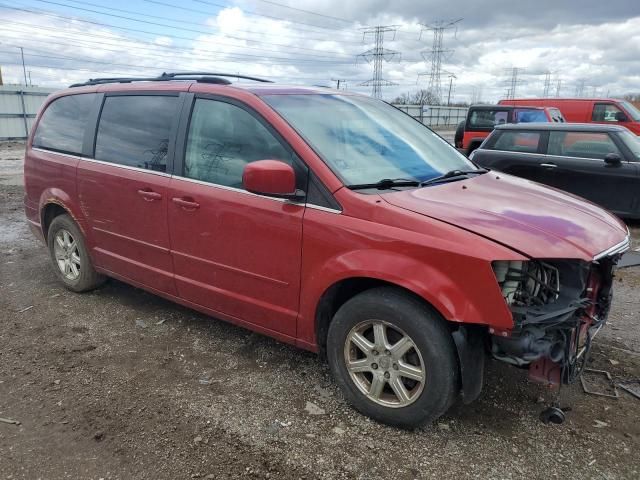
x: 383, y: 340
x: 71, y: 261
x: 457, y: 139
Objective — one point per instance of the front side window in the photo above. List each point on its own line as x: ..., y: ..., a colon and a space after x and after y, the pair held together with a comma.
x: 581, y: 144
x: 631, y: 110
x: 364, y: 140
x: 62, y: 125
x: 223, y: 138
x: 135, y: 130
x: 632, y: 142
x: 606, y: 112
x: 517, y: 141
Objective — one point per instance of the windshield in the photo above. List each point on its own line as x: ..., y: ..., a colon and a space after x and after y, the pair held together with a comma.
x: 530, y: 116
x: 632, y: 142
x: 365, y: 140
x: 631, y: 110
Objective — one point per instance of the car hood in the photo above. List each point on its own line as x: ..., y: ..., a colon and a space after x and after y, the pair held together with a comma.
x: 535, y: 220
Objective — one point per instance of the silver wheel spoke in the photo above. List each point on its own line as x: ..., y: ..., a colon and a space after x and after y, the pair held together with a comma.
x: 362, y: 343
x: 377, y: 385
x: 372, y: 362
x: 75, y: 258
x: 61, y: 263
x: 400, y: 390
x: 67, y: 238
x: 380, y: 336
x: 401, y: 347
x: 410, y: 371
x: 67, y: 267
x: 60, y: 240
x: 74, y: 269
x: 362, y: 365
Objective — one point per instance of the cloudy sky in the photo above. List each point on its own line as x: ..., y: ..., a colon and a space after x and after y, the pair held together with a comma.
x: 590, y: 46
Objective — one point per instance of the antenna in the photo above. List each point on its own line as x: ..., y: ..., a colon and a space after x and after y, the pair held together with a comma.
x: 377, y: 55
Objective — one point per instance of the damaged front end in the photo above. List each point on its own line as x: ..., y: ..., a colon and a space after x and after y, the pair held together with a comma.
x: 558, y: 306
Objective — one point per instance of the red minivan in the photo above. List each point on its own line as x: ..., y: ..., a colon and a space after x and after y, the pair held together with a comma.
x: 589, y: 110
x: 325, y: 219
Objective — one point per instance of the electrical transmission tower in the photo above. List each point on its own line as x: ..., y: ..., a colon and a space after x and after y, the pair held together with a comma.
x: 547, y: 84
x: 340, y: 81
x: 558, y: 87
x: 513, y: 82
x: 436, y: 54
x: 452, y: 77
x: 580, y: 88
x: 377, y: 55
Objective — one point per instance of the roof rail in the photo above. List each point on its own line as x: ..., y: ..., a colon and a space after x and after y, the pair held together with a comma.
x: 204, y: 77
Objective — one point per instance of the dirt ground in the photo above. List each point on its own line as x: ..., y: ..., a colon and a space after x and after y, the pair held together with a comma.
x: 119, y: 384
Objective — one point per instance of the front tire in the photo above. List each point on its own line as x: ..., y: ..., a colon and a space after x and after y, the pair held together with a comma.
x: 71, y: 261
x: 393, y: 358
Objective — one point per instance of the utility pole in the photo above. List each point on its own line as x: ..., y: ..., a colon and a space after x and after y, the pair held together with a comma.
x: 451, y: 77
x: 24, y: 70
x: 547, y: 84
x: 30, y: 84
x: 436, y: 54
x: 377, y: 55
x: 338, y: 82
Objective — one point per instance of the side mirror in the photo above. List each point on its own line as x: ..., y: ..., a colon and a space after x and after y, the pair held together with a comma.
x: 621, y: 117
x: 270, y: 177
x: 612, y: 159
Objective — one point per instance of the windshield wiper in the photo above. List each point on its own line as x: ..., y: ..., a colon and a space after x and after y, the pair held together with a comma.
x: 452, y: 175
x: 385, y: 184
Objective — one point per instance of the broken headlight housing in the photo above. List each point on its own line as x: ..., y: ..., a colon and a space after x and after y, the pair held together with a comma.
x: 527, y: 283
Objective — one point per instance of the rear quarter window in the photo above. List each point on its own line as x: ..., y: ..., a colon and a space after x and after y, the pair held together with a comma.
x: 62, y: 125
x: 487, y: 119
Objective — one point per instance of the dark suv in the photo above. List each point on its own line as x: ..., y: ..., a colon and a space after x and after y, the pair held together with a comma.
x: 598, y: 162
x: 325, y: 219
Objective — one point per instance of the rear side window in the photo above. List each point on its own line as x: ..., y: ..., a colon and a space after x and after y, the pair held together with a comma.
x: 135, y: 130
x: 487, y: 118
x: 517, y: 141
x: 529, y: 116
x: 62, y: 125
x: 581, y: 144
x: 223, y: 138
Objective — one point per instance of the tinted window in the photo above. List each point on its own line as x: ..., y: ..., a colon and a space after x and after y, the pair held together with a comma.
x: 487, y: 118
x: 62, y: 125
x: 632, y: 142
x: 606, y: 112
x: 517, y: 141
x: 222, y: 139
x: 581, y: 144
x: 529, y: 116
x: 135, y: 130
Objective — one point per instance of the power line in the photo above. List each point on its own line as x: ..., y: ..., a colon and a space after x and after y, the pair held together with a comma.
x: 183, y: 29
x: 436, y: 54
x: 308, y: 11
x: 272, y: 17
x: 155, y: 47
x: 377, y: 55
x: 189, y: 22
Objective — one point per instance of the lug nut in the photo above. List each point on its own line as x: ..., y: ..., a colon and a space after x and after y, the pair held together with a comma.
x: 374, y: 366
x: 386, y: 375
x: 375, y: 352
x: 395, y: 366
x: 387, y: 352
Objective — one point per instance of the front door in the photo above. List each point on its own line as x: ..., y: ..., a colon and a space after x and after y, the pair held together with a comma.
x: 579, y: 168
x: 234, y: 252
x: 123, y: 192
